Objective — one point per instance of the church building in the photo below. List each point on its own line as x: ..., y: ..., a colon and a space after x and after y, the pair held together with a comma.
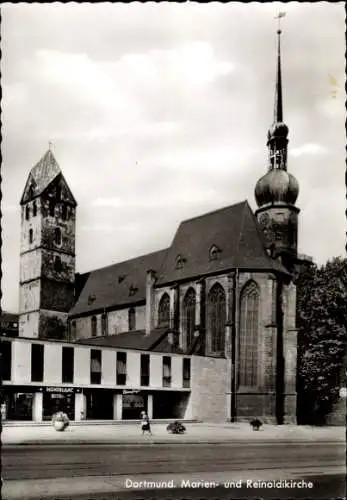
x: 207, y: 326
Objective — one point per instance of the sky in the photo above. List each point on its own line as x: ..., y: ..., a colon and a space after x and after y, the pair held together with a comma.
x: 159, y: 112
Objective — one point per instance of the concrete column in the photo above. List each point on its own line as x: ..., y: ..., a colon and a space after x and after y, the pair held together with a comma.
x: 150, y: 406
x: 80, y: 407
x: 117, y: 406
x: 37, y: 407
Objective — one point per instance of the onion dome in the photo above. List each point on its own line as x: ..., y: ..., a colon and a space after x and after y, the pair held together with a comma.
x: 276, y: 186
x: 278, y: 129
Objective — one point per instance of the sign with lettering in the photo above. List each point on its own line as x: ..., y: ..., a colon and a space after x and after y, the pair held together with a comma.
x: 62, y: 390
x: 129, y: 391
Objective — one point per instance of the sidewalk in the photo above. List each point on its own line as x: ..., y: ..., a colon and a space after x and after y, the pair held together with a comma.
x: 197, y: 433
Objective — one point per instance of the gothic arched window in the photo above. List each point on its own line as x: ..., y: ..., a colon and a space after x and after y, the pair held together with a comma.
x: 34, y: 209
x: 27, y: 212
x: 132, y: 319
x: 57, y: 236
x: 216, y: 315
x: 189, y: 304
x: 248, y: 339
x: 93, y: 321
x: 164, y: 311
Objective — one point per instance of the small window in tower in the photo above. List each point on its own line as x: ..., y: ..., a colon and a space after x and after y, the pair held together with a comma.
x: 30, y: 235
x: 57, y: 264
x: 27, y: 212
x: 57, y: 236
x: 51, y: 208
x: 180, y: 261
x: 64, y: 212
x: 58, y: 193
x: 34, y: 209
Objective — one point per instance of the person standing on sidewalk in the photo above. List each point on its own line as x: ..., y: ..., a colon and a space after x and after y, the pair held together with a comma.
x: 145, y: 423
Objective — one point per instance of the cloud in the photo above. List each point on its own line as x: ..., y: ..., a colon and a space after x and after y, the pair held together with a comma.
x: 308, y: 149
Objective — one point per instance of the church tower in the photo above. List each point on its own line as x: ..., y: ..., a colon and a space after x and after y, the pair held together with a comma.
x: 47, y: 252
x: 276, y: 192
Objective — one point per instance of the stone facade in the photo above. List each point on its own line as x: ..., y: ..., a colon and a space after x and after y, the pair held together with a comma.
x: 47, y: 261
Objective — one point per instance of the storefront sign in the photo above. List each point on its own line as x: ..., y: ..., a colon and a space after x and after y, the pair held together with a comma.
x: 128, y: 391
x: 62, y: 390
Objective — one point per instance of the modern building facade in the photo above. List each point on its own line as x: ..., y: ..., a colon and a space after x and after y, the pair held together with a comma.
x: 222, y: 296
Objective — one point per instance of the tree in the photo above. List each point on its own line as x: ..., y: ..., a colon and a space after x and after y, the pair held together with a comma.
x: 322, y: 323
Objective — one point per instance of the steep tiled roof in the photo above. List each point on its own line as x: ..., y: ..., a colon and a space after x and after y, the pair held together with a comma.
x: 118, y: 284
x: 156, y: 341
x: 43, y: 173
x: 234, y: 230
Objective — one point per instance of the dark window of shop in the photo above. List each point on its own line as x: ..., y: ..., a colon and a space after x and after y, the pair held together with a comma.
x: 93, y: 320
x: 30, y: 235
x: 37, y: 353
x: 186, y: 372
x: 121, y: 368
x: 104, y: 324
x: 68, y: 365
x: 95, y: 366
x: 34, y: 209
x: 55, y: 401
x: 6, y: 359
x: 27, y: 212
x: 132, y: 319
x: 189, y: 304
x: 166, y: 371
x: 144, y: 369
x: 164, y: 311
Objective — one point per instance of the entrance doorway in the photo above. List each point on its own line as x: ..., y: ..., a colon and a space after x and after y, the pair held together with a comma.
x: 133, y: 404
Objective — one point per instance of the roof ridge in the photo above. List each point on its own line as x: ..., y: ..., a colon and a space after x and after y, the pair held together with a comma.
x: 214, y: 211
x: 124, y: 261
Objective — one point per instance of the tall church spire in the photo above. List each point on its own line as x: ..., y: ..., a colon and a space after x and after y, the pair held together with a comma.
x: 276, y: 191
x: 278, y: 112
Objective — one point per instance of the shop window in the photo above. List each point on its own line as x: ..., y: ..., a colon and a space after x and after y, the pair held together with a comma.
x: 164, y: 311
x: 57, y: 236
x: 20, y: 406
x: 166, y: 371
x: 31, y: 237
x: 132, y: 319
x: 95, y: 366
x: 6, y: 359
x: 144, y: 369
x: 37, y: 361
x: 121, y: 368
x: 57, y: 401
x: 94, y: 325
x: 104, y: 324
x: 186, y: 372
x: 34, y: 209
x: 27, y: 212
x: 68, y: 365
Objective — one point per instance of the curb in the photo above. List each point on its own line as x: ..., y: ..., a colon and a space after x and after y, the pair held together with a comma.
x: 273, y: 441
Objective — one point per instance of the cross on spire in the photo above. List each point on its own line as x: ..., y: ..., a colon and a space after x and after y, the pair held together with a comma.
x: 278, y: 109
x: 50, y: 144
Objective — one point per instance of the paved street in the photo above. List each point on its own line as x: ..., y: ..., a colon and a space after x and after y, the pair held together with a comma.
x: 94, y: 469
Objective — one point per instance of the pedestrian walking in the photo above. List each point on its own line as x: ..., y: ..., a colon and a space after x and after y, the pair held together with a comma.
x: 145, y: 423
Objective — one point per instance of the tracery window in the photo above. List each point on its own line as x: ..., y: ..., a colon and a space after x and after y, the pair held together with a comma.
x: 189, y: 305
x: 248, y: 339
x: 216, y: 316
x: 164, y: 311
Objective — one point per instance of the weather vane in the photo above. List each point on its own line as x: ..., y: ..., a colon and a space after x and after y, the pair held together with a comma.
x: 279, y: 17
